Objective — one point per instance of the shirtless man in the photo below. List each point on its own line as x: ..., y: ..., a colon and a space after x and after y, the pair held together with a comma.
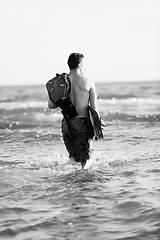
x: 83, y: 94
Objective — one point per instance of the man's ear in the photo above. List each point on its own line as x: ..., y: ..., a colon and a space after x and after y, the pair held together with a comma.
x: 80, y: 65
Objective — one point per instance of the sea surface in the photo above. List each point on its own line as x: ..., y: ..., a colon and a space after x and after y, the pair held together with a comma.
x: 117, y: 196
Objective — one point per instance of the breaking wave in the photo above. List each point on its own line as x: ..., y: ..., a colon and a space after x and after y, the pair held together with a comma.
x: 33, y: 114
x: 43, y: 120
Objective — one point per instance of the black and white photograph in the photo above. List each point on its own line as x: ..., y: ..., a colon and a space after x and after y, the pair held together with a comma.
x: 79, y: 119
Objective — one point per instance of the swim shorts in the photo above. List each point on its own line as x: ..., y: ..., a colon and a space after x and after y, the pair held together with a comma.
x: 78, y: 142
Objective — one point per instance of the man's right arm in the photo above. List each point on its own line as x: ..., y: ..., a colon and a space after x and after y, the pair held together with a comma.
x: 93, y: 97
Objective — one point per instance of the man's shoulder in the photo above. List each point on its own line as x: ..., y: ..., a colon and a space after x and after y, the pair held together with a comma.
x: 83, y: 81
x: 87, y: 79
x: 88, y: 82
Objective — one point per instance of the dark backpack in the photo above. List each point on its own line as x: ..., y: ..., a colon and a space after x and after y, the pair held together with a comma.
x: 59, y: 89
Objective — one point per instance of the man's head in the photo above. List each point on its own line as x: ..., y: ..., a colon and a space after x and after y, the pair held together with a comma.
x: 74, y: 60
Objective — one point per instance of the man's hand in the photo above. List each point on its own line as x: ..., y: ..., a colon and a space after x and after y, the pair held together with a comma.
x: 98, y: 124
x: 51, y: 104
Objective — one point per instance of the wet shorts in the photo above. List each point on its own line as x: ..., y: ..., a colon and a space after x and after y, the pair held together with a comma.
x: 78, y: 143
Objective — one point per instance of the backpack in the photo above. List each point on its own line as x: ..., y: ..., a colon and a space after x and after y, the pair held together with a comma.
x: 59, y: 89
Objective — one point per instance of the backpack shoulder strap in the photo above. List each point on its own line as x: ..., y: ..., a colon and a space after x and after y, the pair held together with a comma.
x: 69, y: 84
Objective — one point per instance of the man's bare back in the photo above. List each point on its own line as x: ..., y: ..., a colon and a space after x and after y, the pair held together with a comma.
x: 82, y: 91
x: 80, y: 87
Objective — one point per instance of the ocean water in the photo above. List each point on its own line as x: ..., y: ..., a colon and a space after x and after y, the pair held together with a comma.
x: 116, y: 197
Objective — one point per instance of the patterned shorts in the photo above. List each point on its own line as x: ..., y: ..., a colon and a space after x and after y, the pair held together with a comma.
x: 78, y: 142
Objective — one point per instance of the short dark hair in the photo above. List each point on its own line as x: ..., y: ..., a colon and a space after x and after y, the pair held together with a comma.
x: 74, y: 59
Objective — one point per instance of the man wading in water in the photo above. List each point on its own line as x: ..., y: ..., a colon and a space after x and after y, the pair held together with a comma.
x: 82, y: 95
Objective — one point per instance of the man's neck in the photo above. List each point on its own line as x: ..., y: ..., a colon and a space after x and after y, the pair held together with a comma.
x: 76, y: 71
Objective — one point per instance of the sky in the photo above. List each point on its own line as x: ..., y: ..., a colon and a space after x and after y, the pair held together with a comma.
x: 119, y: 38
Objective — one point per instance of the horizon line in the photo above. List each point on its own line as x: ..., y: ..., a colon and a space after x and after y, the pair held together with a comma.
x: 100, y: 82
